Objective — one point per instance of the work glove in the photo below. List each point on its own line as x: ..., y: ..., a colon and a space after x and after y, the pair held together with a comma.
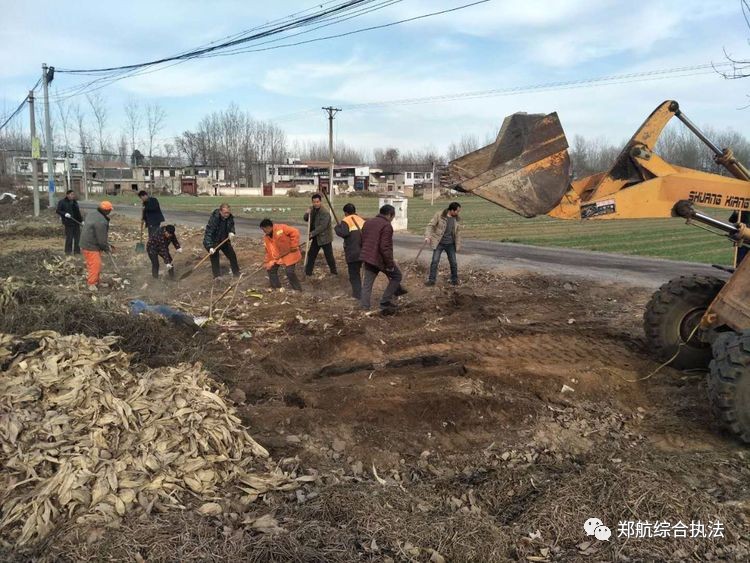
x: 179, y: 250
x: 169, y: 266
x: 211, y: 250
x: 269, y: 265
x: 68, y: 216
x: 427, y: 239
x: 231, y: 237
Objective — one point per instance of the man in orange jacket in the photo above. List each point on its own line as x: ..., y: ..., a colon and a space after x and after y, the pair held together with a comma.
x: 282, y: 248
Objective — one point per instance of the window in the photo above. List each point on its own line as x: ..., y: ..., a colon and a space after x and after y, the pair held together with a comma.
x: 134, y: 187
x: 161, y: 173
x: 145, y: 172
x: 171, y: 173
x: 408, y: 175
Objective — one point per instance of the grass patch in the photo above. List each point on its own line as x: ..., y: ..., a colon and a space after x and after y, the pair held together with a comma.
x: 659, y: 238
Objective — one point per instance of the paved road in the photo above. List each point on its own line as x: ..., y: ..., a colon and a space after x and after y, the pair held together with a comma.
x: 508, y: 257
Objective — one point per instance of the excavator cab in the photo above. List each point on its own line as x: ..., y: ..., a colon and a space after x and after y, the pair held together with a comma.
x: 690, y: 322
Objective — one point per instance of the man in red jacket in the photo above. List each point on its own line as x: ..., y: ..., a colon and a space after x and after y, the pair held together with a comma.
x: 377, y: 256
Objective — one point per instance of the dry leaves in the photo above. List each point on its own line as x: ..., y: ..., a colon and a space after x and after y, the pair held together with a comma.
x: 85, y: 437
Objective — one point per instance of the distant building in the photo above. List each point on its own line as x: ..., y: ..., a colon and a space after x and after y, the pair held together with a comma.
x: 67, y: 171
x: 111, y: 177
x: 202, y: 179
x: 312, y: 175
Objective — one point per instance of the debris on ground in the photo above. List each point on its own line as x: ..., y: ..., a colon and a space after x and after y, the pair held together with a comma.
x: 86, y: 437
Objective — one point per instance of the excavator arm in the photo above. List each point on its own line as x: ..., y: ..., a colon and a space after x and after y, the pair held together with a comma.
x: 527, y: 171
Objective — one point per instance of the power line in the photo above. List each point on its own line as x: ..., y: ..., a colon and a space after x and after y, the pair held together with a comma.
x: 224, y: 44
x: 116, y: 76
x: 330, y: 17
x: 361, y: 30
x: 20, y: 106
x: 678, y: 72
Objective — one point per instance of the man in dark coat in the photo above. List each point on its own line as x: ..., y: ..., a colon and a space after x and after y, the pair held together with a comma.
x: 152, y: 216
x: 741, y: 250
x: 158, y: 245
x: 321, y: 236
x: 350, y: 229
x: 219, y: 228
x: 377, y: 255
x: 70, y: 214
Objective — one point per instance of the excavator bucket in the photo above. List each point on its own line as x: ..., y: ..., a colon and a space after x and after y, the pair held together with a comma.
x: 526, y: 170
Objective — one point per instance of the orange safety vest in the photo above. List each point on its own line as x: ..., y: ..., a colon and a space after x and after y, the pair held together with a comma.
x: 354, y: 222
x: 283, y: 246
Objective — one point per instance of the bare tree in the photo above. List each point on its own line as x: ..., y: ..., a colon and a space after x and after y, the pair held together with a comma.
x: 80, y: 121
x: 99, y: 110
x: 64, y: 110
x: 188, y: 145
x: 155, y: 116
x: 122, y: 148
x: 134, y: 121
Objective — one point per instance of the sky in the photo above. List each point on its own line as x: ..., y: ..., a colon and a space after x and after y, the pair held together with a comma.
x: 499, y: 44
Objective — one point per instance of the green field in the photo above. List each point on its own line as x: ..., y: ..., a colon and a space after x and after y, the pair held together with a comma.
x: 662, y: 238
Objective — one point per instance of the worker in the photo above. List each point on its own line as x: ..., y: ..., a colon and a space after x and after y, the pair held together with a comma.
x: 321, y: 236
x: 152, y: 216
x: 742, y: 250
x: 220, y: 228
x: 158, y: 245
x: 282, y: 249
x: 377, y: 256
x: 350, y: 229
x: 94, y: 241
x: 70, y: 215
x: 443, y: 233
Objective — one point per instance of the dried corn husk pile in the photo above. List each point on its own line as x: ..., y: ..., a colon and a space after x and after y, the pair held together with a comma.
x: 86, y: 438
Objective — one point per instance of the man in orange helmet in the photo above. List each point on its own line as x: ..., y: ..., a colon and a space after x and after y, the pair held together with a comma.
x: 94, y: 241
x: 282, y: 249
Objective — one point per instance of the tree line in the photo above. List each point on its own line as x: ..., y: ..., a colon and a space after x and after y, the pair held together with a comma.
x: 237, y: 141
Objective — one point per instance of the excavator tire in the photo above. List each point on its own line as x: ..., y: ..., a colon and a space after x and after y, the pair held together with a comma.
x: 672, y: 314
x: 729, y: 383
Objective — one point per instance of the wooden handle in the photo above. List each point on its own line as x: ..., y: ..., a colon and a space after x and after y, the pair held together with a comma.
x: 207, y: 256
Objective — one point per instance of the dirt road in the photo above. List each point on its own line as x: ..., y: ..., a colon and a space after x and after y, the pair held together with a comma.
x: 507, y: 257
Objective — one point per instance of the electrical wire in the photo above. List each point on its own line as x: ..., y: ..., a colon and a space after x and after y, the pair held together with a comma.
x: 224, y: 44
x: 329, y: 17
x: 114, y: 74
x: 111, y: 78
x: 15, y: 112
x: 362, y: 30
x: 615, y: 79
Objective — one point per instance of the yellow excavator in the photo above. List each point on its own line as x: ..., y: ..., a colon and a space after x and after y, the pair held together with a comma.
x: 691, y: 321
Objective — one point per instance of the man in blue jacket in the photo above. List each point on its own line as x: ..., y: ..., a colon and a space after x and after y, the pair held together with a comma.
x: 152, y: 216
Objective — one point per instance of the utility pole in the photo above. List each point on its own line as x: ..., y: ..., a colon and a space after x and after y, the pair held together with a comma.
x: 85, y: 176
x: 331, y: 112
x: 432, y: 197
x: 47, y: 77
x: 34, y: 155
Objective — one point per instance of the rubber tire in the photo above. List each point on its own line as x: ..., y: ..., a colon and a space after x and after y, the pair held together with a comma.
x: 665, y: 312
x: 729, y: 383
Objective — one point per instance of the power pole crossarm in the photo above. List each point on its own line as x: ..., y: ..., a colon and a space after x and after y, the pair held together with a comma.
x: 47, y: 76
x: 331, y: 111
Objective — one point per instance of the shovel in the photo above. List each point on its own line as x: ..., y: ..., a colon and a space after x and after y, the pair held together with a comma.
x: 140, y: 248
x: 189, y: 272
